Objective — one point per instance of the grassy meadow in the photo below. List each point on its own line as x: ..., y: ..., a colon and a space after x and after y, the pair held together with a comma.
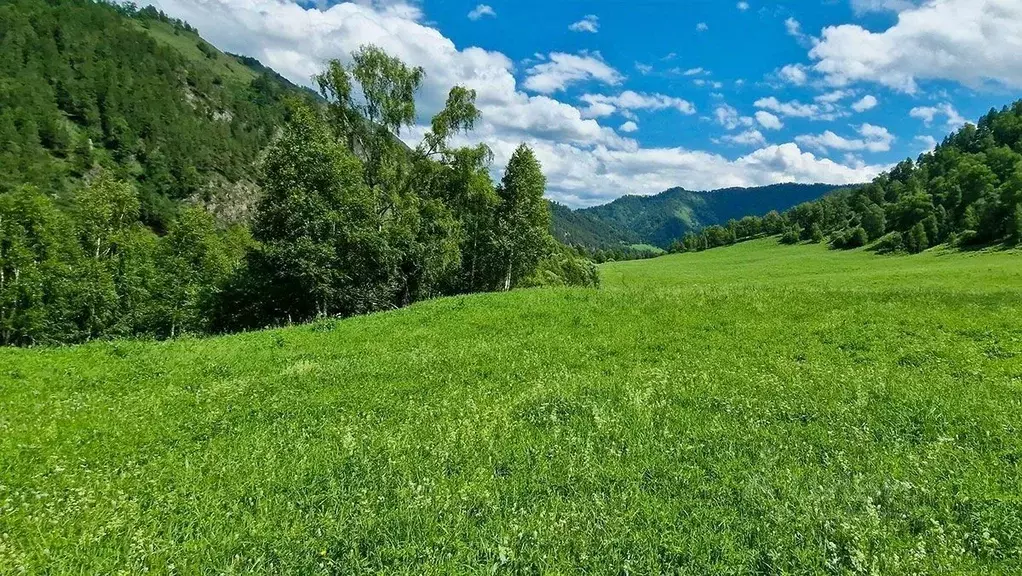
x: 758, y: 409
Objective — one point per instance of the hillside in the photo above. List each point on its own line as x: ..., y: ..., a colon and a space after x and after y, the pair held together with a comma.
x: 579, y: 227
x: 89, y: 85
x: 753, y: 409
x: 663, y: 218
x: 965, y: 193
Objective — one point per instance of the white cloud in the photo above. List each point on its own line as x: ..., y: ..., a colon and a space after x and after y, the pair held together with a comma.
x: 928, y: 113
x: 973, y: 42
x: 794, y: 29
x: 629, y: 127
x: 693, y: 72
x: 728, y: 117
x: 480, y: 11
x: 643, y: 68
x: 589, y: 23
x: 585, y: 162
x: 601, y: 105
x: 768, y: 120
x: 563, y: 70
x: 793, y: 109
x: 874, y: 139
x: 743, y: 6
x: 832, y: 97
x: 582, y: 178
x: 702, y: 27
x: 794, y: 74
x: 750, y: 137
x: 868, y: 102
x: 927, y: 142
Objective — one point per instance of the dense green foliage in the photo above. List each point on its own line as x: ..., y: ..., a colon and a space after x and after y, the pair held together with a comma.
x: 750, y: 410
x: 661, y: 219
x: 348, y: 219
x: 968, y: 191
x: 582, y: 228
x: 87, y: 86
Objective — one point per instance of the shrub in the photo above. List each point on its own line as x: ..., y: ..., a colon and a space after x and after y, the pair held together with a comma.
x: 792, y: 235
x: 890, y: 243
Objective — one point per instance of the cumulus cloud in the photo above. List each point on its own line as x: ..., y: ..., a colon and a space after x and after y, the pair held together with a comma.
x: 728, y: 117
x: 480, y: 11
x: 601, y: 105
x: 585, y: 178
x: 873, y: 139
x: 794, y: 74
x: 743, y: 6
x: 711, y: 83
x: 585, y: 162
x: 796, y: 109
x: 562, y: 70
x: 589, y: 23
x: 928, y: 113
x: 973, y: 42
x: 927, y: 142
x: 768, y: 120
x: 629, y: 126
x: 702, y: 27
x: 832, y: 97
x: 794, y: 29
x: 748, y: 138
x: 868, y: 102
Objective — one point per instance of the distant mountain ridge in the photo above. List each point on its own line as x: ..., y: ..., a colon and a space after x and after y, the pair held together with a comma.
x: 660, y: 219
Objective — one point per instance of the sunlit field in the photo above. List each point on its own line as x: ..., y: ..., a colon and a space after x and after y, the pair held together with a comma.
x: 758, y: 409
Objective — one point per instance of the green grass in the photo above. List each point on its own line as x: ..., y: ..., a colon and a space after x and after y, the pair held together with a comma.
x: 187, y: 43
x: 751, y: 410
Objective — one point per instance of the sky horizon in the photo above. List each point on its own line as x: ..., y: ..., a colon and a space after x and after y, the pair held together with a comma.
x: 638, y: 97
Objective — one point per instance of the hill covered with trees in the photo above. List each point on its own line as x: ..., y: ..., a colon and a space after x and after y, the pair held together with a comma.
x: 660, y: 219
x: 125, y: 136
x: 966, y: 192
x: 87, y: 87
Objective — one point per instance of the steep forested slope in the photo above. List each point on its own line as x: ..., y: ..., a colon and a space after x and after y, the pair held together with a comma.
x: 86, y: 85
x: 583, y: 228
x: 660, y: 219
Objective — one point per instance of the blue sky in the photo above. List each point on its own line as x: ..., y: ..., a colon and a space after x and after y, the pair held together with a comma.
x: 632, y: 97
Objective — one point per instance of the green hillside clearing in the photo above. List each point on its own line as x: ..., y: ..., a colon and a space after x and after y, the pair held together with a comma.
x: 753, y: 409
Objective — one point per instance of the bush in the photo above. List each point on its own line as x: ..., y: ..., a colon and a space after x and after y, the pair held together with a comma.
x: 857, y: 238
x: 792, y: 235
x: 965, y: 238
x: 916, y: 239
x: 564, y: 268
x: 890, y: 243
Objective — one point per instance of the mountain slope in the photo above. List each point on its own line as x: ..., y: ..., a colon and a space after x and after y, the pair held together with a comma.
x: 579, y: 227
x: 664, y: 217
x: 86, y: 85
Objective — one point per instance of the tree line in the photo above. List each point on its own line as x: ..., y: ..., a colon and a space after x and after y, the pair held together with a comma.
x: 967, y: 191
x: 350, y: 220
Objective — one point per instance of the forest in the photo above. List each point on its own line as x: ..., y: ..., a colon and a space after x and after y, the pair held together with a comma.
x: 114, y: 145
x: 966, y: 192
